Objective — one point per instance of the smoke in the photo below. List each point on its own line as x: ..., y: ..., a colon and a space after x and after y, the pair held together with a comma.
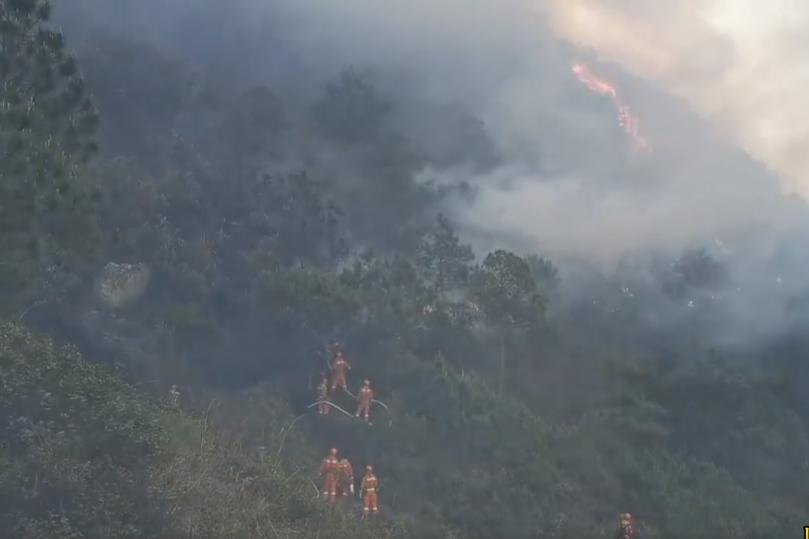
x: 742, y: 64
x: 699, y: 76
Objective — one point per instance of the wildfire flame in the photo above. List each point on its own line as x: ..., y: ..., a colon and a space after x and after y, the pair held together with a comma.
x: 626, y: 119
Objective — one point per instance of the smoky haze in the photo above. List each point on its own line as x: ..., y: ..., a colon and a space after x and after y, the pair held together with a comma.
x: 744, y: 65
x: 562, y: 180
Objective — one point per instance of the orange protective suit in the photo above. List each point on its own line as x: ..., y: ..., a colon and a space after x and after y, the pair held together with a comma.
x: 346, y: 478
x: 323, y: 396
x: 330, y: 470
x: 370, y: 492
x: 340, y: 368
x: 626, y: 527
x: 365, y: 398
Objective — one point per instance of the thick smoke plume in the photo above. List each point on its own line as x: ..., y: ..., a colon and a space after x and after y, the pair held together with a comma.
x: 743, y: 64
x: 567, y: 184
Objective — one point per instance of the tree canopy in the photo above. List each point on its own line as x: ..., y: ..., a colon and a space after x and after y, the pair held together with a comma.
x: 274, y: 223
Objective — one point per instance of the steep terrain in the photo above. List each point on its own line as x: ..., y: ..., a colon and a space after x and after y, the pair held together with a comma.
x: 169, y: 224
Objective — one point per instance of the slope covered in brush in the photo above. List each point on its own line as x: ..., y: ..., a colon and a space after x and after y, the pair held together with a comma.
x: 229, y: 229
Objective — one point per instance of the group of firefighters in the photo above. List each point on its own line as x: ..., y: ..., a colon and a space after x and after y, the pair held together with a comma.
x: 338, y: 474
x: 340, y: 367
x: 338, y: 482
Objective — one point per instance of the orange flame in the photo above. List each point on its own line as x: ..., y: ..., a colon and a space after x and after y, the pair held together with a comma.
x: 626, y: 119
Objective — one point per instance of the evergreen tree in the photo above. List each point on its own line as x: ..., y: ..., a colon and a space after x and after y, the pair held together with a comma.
x: 47, y: 123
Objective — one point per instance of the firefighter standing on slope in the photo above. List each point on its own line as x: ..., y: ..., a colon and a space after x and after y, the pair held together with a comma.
x: 174, y: 396
x: 346, y: 478
x: 370, y: 492
x: 323, y: 395
x: 330, y: 470
x: 626, y: 527
x: 339, y: 367
x: 365, y: 398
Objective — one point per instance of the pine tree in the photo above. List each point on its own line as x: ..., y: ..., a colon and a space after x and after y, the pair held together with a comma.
x: 47, y: 127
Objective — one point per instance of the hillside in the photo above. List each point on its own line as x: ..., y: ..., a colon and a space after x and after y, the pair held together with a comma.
x: 86, y: 455
x: 166, y: 224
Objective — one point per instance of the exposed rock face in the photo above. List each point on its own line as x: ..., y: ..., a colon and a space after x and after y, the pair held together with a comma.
x: 120, y: 284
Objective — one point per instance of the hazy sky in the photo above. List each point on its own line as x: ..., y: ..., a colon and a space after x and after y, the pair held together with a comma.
x: 744, y: 64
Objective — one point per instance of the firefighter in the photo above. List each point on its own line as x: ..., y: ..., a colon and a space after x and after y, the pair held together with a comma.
x: 370, y: 492
x: 330, y: 470
x: 626, y: 527
x: 174, y: 396
x: 346, y: 478
x: 340, y: 367
x: 365, y: 398
x: 323, y: 395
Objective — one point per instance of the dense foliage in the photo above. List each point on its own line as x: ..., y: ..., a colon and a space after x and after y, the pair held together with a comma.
x: 47, y: 123
x: 76, y: 442
x: 273, y: 226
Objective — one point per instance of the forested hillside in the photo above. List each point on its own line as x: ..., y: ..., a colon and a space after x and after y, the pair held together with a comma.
x: 165, y: 222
